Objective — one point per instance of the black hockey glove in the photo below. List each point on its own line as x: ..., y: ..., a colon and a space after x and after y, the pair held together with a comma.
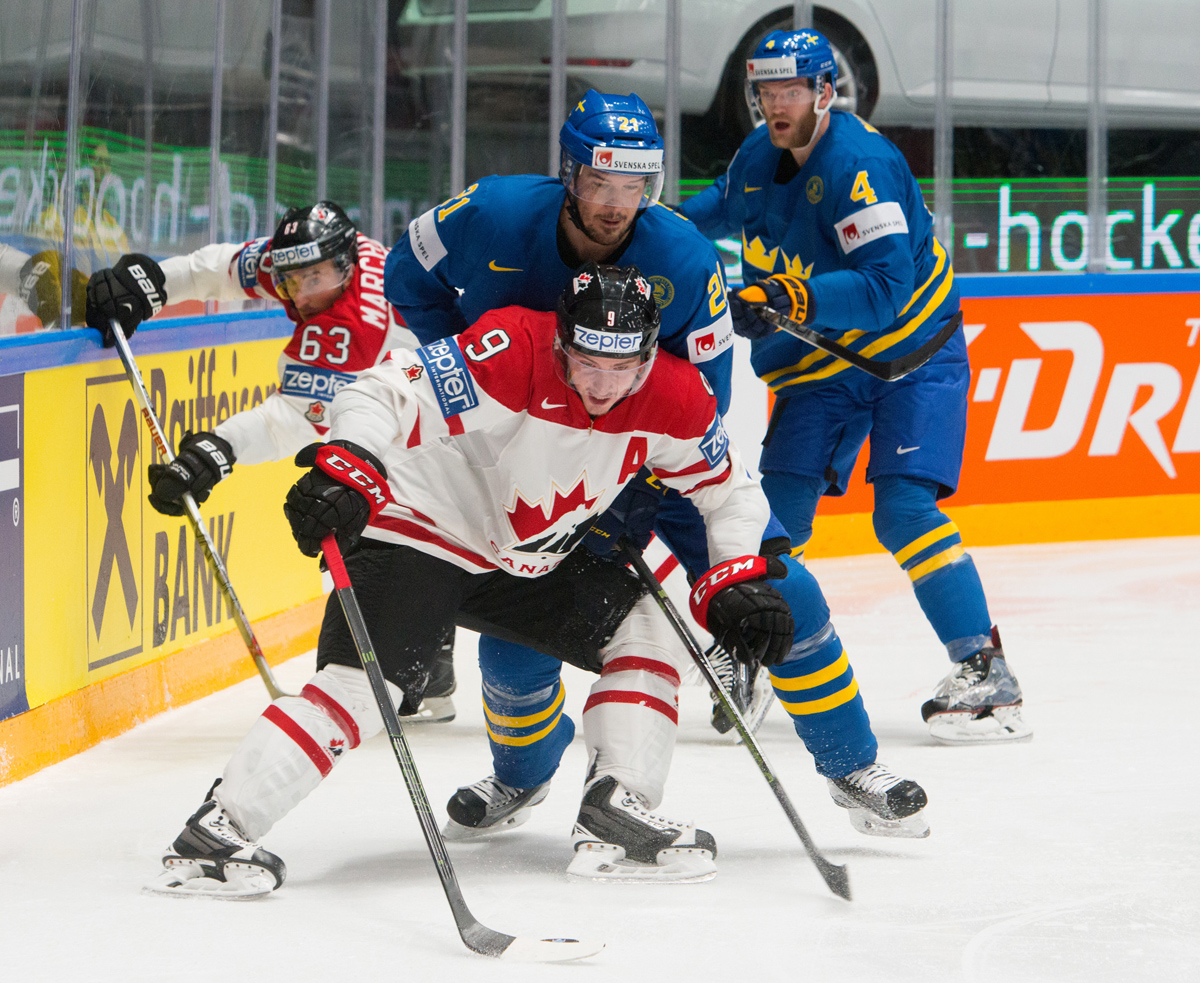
x: 130, y: 291
x: 782, y: 292
x: 631, y: 516
x: 41, y: 288
x: 202, y: 460
x: 743, y: 612
x: 345, y: 489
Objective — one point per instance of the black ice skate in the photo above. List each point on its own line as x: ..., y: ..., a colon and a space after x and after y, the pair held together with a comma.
x: 212, y: 858
x: 436, y: 705
x: 748, y: 686
x: 979, y: 702
x: 488, y: 807
x: 880, y: 803
x: 618, y: 838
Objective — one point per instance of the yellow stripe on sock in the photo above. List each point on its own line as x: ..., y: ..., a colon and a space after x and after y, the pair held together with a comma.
x: 527, y: 739
x: 915, y: 547
x: 533, y: 718
x: 935, y: 563
x: 844, y: 695
x: 813, y: 679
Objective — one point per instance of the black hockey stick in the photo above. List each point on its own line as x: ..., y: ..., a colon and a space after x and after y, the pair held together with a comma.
x: 889, y: 371
x: 193, y: 513
x: 835, y: 877
x: 478, y: 938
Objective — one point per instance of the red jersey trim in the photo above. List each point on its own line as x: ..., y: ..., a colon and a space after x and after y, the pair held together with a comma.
x: 723, y: 476
x: 411, y: 530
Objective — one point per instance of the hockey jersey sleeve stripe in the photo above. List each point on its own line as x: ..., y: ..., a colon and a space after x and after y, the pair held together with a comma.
x: 628, y: 696
x: 337, y: 713
x: 715, y: 480
x: 315, y: 752
x: 412, y: 531
x: 628, y: 663
x: 667, y: 568
x: 698, y: 468
x: 937, y: 271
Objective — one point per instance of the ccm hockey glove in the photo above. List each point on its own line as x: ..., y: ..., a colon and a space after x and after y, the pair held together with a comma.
x: 781, y: 292
x: 130, y: 291
x: 41, y: 288
x: 345, y: 489
x: 743, y: 612
x: 202, y: 460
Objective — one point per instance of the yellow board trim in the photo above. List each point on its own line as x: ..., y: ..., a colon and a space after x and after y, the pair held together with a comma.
x: 915, y: 547
x: 813, y: 679
x: 533, y: 718
x: 844, y: 695
x: 527, y: 739
x: 75, y: 722
x: 936, y: 562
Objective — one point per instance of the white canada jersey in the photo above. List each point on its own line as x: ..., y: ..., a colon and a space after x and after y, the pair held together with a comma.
x: 325, y: 352
x: 495, y: 464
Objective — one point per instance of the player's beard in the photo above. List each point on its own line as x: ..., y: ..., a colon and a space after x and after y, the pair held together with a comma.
x: 798, y: 132
x: 602, y: 234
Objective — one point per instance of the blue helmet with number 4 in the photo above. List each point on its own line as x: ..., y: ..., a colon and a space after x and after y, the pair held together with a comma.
x: 785, y: 55
x: 611, y: 151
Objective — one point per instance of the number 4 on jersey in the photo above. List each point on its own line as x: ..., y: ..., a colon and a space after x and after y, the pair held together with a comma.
x: 862, y: 190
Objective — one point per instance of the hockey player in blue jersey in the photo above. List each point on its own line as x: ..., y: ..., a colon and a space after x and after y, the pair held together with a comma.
x: 519, y: 240
x: 836, y: 235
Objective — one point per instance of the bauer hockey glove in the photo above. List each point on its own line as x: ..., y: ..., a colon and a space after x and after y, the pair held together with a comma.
x: 781, y: 292
x: 202, y: 460
x: 743, y: 612
x: 345, y: 490
x: 41, y: 288
x: 131, y: 291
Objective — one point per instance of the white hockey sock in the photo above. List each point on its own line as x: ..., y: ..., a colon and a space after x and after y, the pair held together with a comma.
x: 296, y: 743
x: 631, y: 717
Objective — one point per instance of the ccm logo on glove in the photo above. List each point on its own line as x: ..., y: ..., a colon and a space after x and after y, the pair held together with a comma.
x: 721, y: 576
x: 351, y: 470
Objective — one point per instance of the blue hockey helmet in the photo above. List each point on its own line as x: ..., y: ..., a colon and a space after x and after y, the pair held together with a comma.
x: 784, y: 55
x: 615, y: 138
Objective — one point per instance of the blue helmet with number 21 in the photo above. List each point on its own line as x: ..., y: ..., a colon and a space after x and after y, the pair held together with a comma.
x: 611, y: 151
x: 785, y: 55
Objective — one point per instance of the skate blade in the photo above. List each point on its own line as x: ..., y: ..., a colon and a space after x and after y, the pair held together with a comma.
x: 185, y: 878
x: 606, y: 862
x: 1003, y: 725
x: 433, y: 710
x: 456, y: 833
x: 911, y: 827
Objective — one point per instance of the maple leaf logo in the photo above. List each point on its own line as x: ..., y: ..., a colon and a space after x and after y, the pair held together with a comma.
x: 413, y: 372
x: 530, y: 519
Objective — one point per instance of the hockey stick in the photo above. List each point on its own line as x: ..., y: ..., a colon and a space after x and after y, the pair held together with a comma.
x: 890, y: 371
x: 478, y: 938
x: 193, y: 512
x: 835, y: 877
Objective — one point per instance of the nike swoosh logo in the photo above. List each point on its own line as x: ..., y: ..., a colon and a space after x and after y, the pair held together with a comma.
x: 547, y: 405
x: 748, y: 189
x: 504, y: 269
x: 907, y: 450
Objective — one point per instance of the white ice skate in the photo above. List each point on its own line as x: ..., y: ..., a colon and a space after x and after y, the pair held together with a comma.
x: 489, y: 807
x: 748, y: 686
x: 979, y: 702
x: 212, y: 858
x: 880, y: 803
x: 618, y: 839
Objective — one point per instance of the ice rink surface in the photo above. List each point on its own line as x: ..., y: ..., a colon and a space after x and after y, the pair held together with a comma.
x: 1073, y: 857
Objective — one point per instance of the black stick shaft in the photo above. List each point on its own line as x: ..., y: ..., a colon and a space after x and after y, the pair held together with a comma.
x: 835, y: 877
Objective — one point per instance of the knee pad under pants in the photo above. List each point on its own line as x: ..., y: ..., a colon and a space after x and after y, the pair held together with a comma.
x: 817, y: 688
x: 794, y: 499
x: 295, y: 743
x: 803, y: 595
x: 928, y: 547
x: 523, y: 703
x: 632, y: 713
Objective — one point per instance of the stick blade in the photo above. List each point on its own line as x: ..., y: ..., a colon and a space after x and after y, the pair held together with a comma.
x: 836, y: 878
x: 549, y: 950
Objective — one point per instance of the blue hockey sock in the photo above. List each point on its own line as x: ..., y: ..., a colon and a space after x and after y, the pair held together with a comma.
x: 523, y: 703
x: 928, y: 547
x: 817, y: 688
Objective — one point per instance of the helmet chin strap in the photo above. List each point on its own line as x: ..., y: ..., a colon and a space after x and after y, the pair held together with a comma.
x: 820, y: 114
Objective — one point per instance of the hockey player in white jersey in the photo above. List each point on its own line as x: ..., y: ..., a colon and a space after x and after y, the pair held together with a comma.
x: 458, y: 479
x: 329, y: 278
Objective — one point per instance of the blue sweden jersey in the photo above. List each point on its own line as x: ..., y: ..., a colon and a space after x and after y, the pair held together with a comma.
x: 496, y: 244
x: 852, y: 223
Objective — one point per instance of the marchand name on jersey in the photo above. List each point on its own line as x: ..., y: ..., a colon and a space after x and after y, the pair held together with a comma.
x: 449, y: 377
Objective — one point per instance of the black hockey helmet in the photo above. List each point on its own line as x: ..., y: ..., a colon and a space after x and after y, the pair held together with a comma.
x: 307, y: 235
x: 608, y: 311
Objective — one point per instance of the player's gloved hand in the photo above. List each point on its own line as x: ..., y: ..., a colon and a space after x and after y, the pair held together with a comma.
x: 743, y: 612
x: 202, y: 460
x: 345, y: 489
x: 130, y: 291
x: 41, y: 288
x: 631, y: 516
x: 781, y: 292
